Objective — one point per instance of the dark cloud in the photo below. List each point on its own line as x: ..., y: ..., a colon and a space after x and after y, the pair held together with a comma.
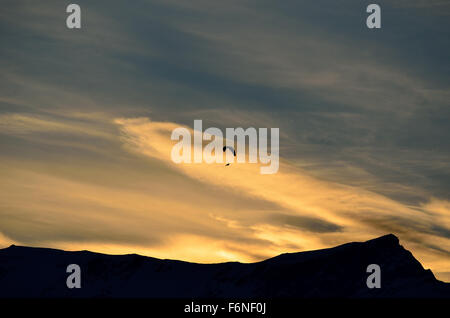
x: 42, y: 232
x: 305, y: 223
x: 408, y: 228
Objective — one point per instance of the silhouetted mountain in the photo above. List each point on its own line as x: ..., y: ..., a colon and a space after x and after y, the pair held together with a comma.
x: 335, y: 272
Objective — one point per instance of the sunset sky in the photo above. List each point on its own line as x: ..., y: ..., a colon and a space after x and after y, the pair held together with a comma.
x: 86, y: 118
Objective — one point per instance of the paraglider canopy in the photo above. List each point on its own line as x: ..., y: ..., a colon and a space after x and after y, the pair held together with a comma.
x: 231, y: 149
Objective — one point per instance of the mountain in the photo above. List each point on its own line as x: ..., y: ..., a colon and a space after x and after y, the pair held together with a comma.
x: 338, y: 272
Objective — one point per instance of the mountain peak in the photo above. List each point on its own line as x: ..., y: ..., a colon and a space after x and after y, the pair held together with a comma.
x: 388, y: 239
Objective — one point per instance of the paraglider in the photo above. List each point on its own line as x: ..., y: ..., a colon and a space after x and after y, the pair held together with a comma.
x: 232, y: 151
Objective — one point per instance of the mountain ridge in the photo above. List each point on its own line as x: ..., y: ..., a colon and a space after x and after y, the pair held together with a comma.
x: 337, y: 272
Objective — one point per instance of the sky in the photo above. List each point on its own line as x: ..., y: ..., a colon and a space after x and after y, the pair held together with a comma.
x: 86, y: 117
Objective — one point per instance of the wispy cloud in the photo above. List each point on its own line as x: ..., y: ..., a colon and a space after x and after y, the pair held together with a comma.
x: 345, y: 211
x: 363, y: 120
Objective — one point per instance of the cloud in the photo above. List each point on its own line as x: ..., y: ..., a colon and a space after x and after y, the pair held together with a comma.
x: 305, y: 223
x: 363, y: 118
x: 26, y: 124
x: 332, y: 209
